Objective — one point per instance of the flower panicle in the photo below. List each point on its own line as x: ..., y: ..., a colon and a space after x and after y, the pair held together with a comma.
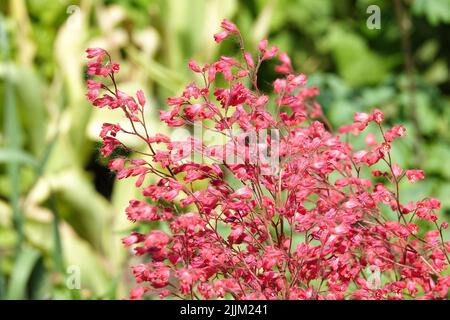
x: 238, y: 227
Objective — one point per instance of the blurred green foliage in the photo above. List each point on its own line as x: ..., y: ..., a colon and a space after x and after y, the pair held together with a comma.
x: 60, y: 207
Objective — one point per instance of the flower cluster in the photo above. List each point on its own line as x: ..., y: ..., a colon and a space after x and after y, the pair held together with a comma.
x: 324, y: 225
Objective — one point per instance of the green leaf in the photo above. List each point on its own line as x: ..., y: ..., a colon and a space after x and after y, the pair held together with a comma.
x: 436, y: 11
x: 10, y: 155
x: 23, y: 267
x: 88, y: 212
x: 356, y: 62
x: 437, y: 73
x: 160, y: 74
x: 32, y: 108
x: 13, y: 137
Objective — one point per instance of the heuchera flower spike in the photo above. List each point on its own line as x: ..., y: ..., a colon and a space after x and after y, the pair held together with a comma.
x: 254, y: 233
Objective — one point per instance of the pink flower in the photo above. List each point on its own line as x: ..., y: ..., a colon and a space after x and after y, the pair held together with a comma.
x: 219, y: 37
x: 378, y: 116
x: 109, y: 145
x: 362, y: 117
x: 156, y: 240
x: 138, y: 292
x: 95, y: 52
x: 238, y: 235
x: 134, y: 238
x: 394, y: 132
x: 93, y: 89
x: 396, y: 170
x: 243, y: 193
x: 141, y: 97
x: 159, y: 277
x: 229, y: 26
x: 286, y: 65
x: 159, y: 138
x: 249, y: 60
x: 116, y: 164
x: 269, y: 54
x: 415, y: 175
x: 408, y: 208
x: 141, y: 211
x: 193, y: 65
x: 192, y: 111
x: 262, y: 45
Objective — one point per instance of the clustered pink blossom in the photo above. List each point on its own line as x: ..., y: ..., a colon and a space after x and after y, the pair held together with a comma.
x: 319, y: 227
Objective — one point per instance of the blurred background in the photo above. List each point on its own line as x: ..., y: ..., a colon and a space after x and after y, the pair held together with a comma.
x: 61, y: 212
